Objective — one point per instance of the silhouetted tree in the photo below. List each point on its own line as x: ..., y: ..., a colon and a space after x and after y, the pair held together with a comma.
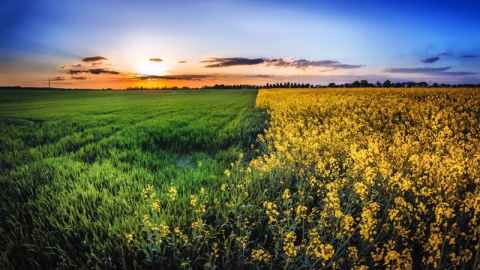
x: 364, y: 83
x: 387, y: 83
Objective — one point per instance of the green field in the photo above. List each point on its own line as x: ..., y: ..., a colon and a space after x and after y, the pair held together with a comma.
x: 75, y: 163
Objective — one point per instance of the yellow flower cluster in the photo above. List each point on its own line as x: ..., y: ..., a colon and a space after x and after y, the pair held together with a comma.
x: 146, y: 191
x: 129, y: 237
x: 271, y: 211
x: 289, y: 247
x: 318, y: 250
x: 172, y: 193
x: 260, y: 255
x: 286, y: 194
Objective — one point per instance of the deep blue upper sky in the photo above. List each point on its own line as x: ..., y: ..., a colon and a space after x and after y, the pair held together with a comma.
x: 186, y: 42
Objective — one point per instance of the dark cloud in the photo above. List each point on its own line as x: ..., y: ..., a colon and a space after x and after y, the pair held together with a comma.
x: 94, y: 59
x: 458, y: 73
x: 69, y: 66
x: 156, y: 60
x: 469, y: 56
x: 102, y: 70
x: 95, y: 71
x: 79, y: 77
x: 442, y: 71
x: 182, y: 62
x: 184, y: 77
x: 431, y: 60
x: 74, y: 71
x: 58, y: 79
x: 216, y: 62
x: 444, y: 54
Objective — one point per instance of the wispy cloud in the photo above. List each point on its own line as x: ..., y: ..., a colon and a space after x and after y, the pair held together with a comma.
x: 79, y: 77
x: 156, y: 60
x: 182, y: 62
x: 260, y: 76
x: 469, y: 56
x: 56, y: 79
x: 428, y: 70
x: 416, y: 70
x: 217, y: 62
x: 444, y: 54
x: 182, y: 77
x: 94, y: 59
x: 431, y: 60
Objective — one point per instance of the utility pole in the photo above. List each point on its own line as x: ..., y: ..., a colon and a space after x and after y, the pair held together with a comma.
x: 49, y: 84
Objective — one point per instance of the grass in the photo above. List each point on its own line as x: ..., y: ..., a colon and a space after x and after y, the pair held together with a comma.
x: 74, y: 164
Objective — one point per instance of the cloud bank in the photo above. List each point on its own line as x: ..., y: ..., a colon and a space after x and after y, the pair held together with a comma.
x: 217, y: 62
x: 429, y: 70
x: 156, y: 60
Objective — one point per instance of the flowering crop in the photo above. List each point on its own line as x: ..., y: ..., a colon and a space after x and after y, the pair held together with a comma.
x: 373, y: 177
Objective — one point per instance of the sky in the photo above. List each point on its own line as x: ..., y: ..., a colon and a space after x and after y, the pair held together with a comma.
x: 146, y: 43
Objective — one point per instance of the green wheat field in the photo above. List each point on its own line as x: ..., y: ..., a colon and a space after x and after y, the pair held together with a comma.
x: 74, y: 164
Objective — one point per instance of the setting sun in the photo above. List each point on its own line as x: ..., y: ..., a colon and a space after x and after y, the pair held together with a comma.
x: 153, y: 66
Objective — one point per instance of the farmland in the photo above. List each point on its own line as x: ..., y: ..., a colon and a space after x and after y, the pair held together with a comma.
x: 312, y: 178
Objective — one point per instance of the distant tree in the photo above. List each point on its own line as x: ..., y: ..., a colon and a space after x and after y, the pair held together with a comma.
x: 356, y: 84
x: 332, y: 84
x: 378, y: 84
x: 387, y: 83
x: 423, y: 84
x: 364, y: 83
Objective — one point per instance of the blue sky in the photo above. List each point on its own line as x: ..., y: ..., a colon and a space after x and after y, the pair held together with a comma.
x: 120, y: 43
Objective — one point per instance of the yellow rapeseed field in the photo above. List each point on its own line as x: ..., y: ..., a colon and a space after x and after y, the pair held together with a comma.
x: 368, y: 178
